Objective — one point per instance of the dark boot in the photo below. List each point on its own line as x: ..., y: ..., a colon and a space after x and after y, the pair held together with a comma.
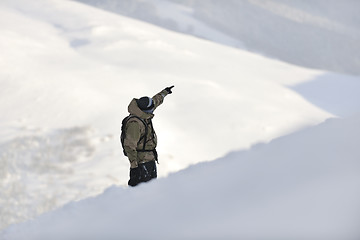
x: 135, y: 177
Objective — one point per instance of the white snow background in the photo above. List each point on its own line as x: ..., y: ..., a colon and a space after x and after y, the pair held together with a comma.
x: 68, y: 72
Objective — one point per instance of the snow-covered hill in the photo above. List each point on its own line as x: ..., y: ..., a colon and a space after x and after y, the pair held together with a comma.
x: 302, y: 186
x: 68, y: 72
x: 312, y: 33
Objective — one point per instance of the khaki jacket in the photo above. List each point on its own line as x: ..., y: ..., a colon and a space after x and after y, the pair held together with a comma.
x: 135, y: 129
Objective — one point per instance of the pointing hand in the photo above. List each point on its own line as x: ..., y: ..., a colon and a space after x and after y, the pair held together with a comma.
x: 168, y: 89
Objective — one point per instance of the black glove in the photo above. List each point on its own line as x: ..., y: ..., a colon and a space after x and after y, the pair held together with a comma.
x: 168, y: 89
x: 135, y: 177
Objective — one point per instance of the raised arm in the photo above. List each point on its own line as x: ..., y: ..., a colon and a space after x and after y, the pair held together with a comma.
x: 159, y: 98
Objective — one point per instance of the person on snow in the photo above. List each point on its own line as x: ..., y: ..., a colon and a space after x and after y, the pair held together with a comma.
x: 139, y: 139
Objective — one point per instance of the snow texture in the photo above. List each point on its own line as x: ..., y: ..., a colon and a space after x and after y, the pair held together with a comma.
x: 315, y: 34
x: 69, y: 70
x: 302, y: 186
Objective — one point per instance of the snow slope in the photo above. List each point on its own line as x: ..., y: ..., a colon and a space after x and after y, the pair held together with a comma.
x: 312, y: 33
x: 302, y: 186
x: 68, y: 72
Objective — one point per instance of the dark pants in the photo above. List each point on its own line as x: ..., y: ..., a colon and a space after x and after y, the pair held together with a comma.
x: 143, y: 173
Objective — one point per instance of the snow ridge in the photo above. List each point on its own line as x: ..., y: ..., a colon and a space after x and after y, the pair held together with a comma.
x: 69, y: 70
x: 305, y: 185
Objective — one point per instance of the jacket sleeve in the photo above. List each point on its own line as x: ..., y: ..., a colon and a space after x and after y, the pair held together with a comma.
x: 159, y: 98
x: 133, y: 134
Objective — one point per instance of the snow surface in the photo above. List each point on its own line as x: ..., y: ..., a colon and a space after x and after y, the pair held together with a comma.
x: 302, y: 186
x: 312, y: 33
x: 68, y: 72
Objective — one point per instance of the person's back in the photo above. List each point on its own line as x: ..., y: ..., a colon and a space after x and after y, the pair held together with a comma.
x: 139, y: 137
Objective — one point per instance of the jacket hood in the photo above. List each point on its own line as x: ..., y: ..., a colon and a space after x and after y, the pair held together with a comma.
x: 135, y: 110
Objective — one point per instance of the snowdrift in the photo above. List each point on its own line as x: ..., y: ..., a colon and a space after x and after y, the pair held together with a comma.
x: 68, y: 72
x: 302, y: 186
x: 316, y: 34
